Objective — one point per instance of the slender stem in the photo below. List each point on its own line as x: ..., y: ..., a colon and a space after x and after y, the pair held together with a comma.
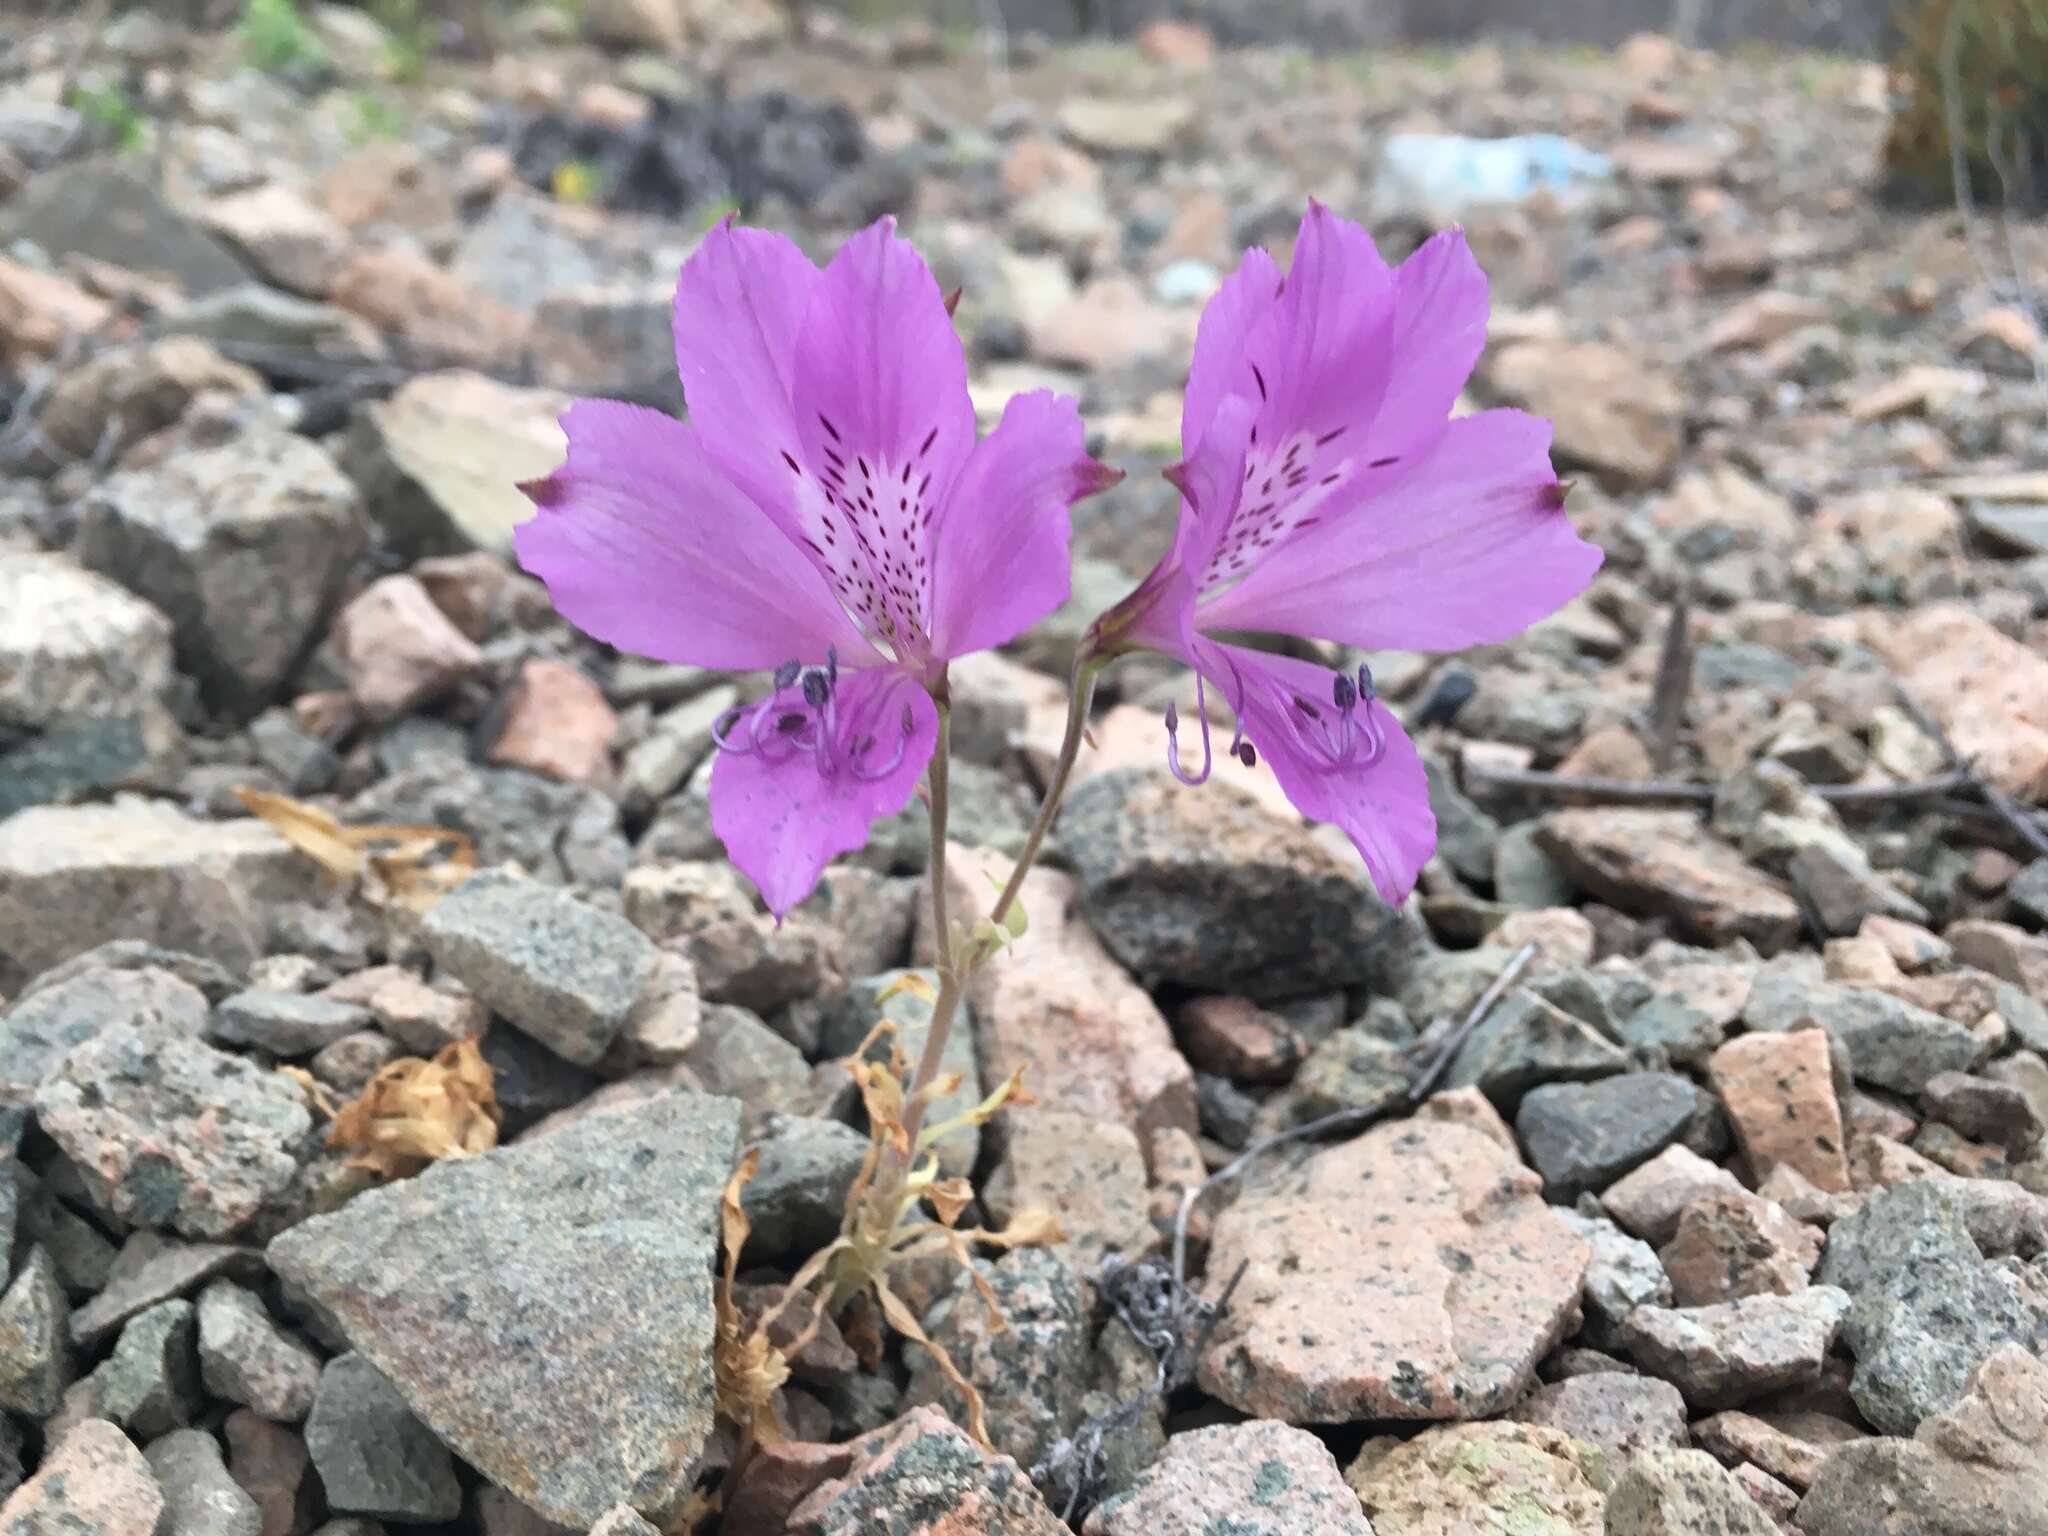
x: 948, y: 1001
x: 1087, y: 667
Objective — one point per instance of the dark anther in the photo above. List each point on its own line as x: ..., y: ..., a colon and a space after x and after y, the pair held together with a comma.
x: 1307, y: 708
x: 789, y: 722
x: 1172, y: 716
x: 1344, y: 691
x: 1384, y: 463
x: 1247, y: 754
x: 832, y: 664
x: 909, y: 721
x: 816, y: 689
x: 1367, y: 689
x: 786, y: 674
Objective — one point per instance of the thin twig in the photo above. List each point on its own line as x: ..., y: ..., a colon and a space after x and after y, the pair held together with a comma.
x: 2009, y: 810
x: 1662, y: 791
x: 1510, y: 973
x: 1674, y: 682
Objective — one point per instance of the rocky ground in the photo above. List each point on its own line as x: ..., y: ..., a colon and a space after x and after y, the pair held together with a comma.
x: 1728, y: 1214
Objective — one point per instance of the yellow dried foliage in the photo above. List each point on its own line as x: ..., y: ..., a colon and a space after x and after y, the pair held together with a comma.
x: 411, y: 867
x: 414, y: 1112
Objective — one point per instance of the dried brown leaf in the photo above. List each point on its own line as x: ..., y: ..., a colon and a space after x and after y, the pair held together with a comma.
x: 410, y: 866
x: 414, y: 1112
x: 747, y: 1369
x: 905, y: 1322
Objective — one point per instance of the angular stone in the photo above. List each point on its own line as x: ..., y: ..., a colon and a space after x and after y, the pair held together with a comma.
x: 283, y: 235
x: 1088, y: 1172
x: 1891, y: 1042
x: 1649, y: 1201
x: 1690, y: 1011
x: 1472, y: 1477
x: 1789, y: 1446
x: 1031, y: 1368
x: 150, y: 1384
x: 169, y: 1132
x: 556, y: 722
x: 1217, y: 892
x: 1682, y: 1493
x: 1733, y: 1245
x: 1972, y: 1471
x: 1722, y: 1355
x: 1525, y: 1041
x: 1779, y: 1094
x: 399, y: 650
x: 421, y: 1018
x: 35, y: 1361
x: 373, y: 1456
x: 269, y: 1463
x: 107, y: 211
x: 1983, y: 688
x: 200, y: 1499
x: 797, y: 1196
x: 1262, y: 1478
x: 561, y: 970
x: 1620, y: 1412
x: 742, y: 956
x: 93, y: 1482
x: 74, y: 877
x: 73, y: 645
x: 1585, y: 1136
x: 599, y: 1238
x: 40, y: 1030
x: 1991, y: 1111
x: 1614, y: 412
x: 1623, y: 1274
x: 922, y: 1476
x: 1411, y: 1273
x: 1235, y: 1038
x: 285, y: 1023
x: 440, y: 462
x: 246, y: 1358
x: 1663, y: 863
x: 1352, y: 1070
x: 153, y: 1268
x: 244, y: 547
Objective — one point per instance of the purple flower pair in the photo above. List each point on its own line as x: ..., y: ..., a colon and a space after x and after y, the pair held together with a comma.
x: 828, y: 515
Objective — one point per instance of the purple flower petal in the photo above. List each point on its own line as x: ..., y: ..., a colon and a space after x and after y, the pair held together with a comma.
x: 1220, y: 367
x: 884, y: 425
x: 999, y: 548
x: 797, y: 790
x: 1465, y: 546
x: 739, y: 304
x: 645, y: 546
x: 1348, y: 764
x: 1440, y: 310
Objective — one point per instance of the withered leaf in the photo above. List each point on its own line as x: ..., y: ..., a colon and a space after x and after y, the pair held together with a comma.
x: 414, y: 1112
x: 412, y: 867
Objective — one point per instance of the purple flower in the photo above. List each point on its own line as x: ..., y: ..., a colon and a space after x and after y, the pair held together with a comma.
x: 828, y: 515
x: 1328, y: 494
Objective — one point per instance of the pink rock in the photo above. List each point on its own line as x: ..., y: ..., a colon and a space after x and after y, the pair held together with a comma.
x: 1095, y: 1041
x: 93, y: 1483
x: 1088, y: 1171
x: 419, y: 303
x: 1563, y: 933
x: 1647, y: 1203
x: 399, y: 650
x: 2009, y: 953
x: 559, y: 724
x: 270, y: 1463
x: 467, y: 587
x: 1414, y: 1273
x: 1779, y: 1094
x: 290, y: 241
x: 1663, y: 864
x: 1473, y: 1110
x: 1261, y: 1476
x: 1731, y: 1245
x: 1236, y: 1038
x: 1789, y: 1446
x: 419, y: 1017
x: 1988, y: 692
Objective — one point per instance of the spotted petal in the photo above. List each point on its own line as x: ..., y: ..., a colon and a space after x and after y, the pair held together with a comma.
x: 644, y: 545
x: 796, y: 791
x: 1467, y: 546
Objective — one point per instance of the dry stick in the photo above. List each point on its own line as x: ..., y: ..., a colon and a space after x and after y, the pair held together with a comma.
x: 1346, y: 1119
x: 1674, y: 682
x: 2009, y: 810
x: 1660, y: 791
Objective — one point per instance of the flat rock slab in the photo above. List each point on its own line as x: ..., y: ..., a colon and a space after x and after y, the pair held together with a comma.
x: 1664, y: 863
x: 1504, y: 1478
x: 1256, y: 1479
x: 545, y: 1308
x: 1414, y: 1273
x: 922, y: 1476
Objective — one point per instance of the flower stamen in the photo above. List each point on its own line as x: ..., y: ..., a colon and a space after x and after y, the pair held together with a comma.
x: 780, y: 726
x: 1173, y: 738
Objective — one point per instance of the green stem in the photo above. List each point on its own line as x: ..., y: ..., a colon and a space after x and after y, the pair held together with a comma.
x: 1087, y: 667
x: 948, y: 1000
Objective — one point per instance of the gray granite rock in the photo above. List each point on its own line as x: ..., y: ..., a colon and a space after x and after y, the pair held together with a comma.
x: 1261, y: 1478
x: 170, y: 1132
x: 150, y: 1383
x: 40, y: 1030
x: 1214, y: 891
x: 374, y: 1457
x: 1892, y: 1044
x: 1682, y: 1493
x: 864, y: 1006
x: 35, y: 1361
x: 200, y: 1498
x: 246, y: 1358
x: 1525, y: 1042
x: 560, y: 969
x: 798, y: 1193
x: 152, y: 1268
x: 598, y: 1239
x: 1624, y: 1274
x: 1738, y: 1350
x: 285, y: 1023
x: 1584, y: 1136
